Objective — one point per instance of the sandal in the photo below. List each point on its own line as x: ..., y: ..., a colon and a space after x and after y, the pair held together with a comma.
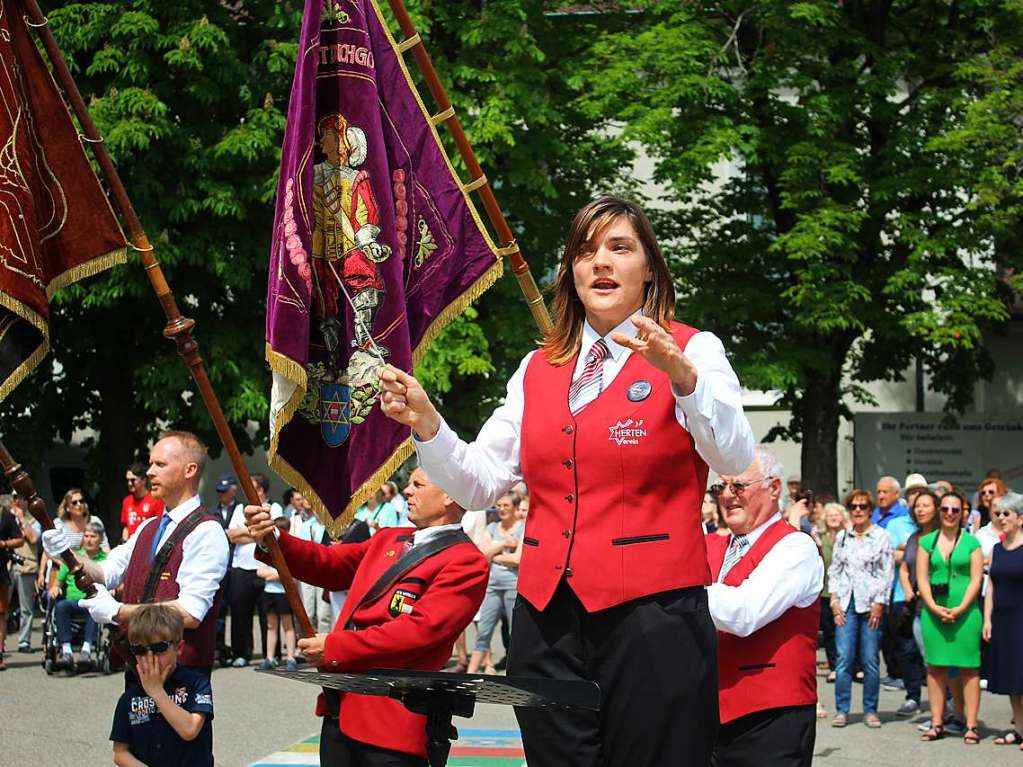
x: 972, y: 736
x: 1008, y: 738
x: 937, y: 732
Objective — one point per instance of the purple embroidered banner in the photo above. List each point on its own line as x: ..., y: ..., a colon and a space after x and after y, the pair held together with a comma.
x: 375, y: 247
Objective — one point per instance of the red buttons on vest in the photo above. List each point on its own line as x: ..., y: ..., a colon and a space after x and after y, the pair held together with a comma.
x: 569, y: 497
x: 567, y: 463
x: 568, y: 429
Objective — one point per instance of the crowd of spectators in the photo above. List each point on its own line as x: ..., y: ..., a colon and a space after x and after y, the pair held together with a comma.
x: 926, y: 579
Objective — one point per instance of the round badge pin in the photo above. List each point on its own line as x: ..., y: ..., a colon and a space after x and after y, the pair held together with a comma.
x: 639, y: 391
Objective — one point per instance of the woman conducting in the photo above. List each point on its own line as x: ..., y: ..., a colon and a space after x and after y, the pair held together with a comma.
x: 612, y: 424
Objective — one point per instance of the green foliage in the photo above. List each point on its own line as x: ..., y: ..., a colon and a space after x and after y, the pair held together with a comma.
x: 872, y: 190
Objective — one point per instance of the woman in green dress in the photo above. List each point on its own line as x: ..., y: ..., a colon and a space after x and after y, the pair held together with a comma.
x: 949, y: 572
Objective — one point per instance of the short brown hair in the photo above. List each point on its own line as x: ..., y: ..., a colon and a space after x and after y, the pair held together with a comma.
x: 155, y: 623
x: 562, y: 343
x: 195, y: 450
x: 852, y: 495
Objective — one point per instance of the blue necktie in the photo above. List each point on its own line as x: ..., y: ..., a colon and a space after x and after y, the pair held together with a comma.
x: 164, y: 521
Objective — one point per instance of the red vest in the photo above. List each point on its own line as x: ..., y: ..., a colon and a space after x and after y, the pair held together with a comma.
x: 614, y: 492
x: 777, y: 665
x: 200, y: 642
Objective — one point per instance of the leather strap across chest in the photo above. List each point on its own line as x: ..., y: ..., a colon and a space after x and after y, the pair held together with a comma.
x: 405, y: 563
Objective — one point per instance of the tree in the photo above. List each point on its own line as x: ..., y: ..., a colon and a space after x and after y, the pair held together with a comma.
x: 873, y: 192
x: 516, y: 72
x: 190, y: 98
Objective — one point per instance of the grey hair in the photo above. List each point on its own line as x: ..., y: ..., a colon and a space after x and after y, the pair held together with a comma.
x: 768, y: 462
x: 1010, y: 502
x: 893, y: 481
x: 97, y: 527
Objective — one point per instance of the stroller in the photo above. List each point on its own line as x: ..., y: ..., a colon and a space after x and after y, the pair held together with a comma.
x: 101, y: 660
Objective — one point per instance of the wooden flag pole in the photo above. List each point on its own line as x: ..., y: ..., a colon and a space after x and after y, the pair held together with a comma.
x: 479, y: 180
x: 22, y: 483
x: 178, y: 328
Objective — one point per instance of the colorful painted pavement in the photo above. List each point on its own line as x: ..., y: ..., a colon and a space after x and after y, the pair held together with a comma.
x: 474, y: 748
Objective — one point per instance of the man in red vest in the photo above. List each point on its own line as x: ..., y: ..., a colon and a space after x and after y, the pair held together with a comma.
x: 406, y: 618
x: 765, y: 604
x: 191, y: 575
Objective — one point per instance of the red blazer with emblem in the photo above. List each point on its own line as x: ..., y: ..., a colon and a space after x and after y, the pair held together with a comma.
x: 412, y: 626
x: 615, y: 491
x: 776, y: 665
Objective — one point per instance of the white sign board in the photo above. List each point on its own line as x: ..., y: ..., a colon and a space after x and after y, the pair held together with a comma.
x: 902, y: 443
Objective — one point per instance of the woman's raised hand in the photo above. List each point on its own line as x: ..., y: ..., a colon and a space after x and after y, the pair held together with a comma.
x: 657, y: 346
x: 404, y: 400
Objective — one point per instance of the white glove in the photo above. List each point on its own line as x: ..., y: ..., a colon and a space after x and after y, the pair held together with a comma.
x: 103, y: 607
x: 56, y: 542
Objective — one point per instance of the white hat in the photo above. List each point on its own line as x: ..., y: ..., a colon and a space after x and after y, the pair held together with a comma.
x: 915, y: 480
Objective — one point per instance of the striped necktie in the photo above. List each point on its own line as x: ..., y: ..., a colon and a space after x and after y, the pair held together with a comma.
x: 589, y: 383
x: 735, y: 551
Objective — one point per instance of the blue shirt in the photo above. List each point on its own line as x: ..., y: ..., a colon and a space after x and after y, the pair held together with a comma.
x: 311, y: 529
x: 139, y: 723
x: 897, y: 509
x: 385, y: 515
x: 899, y: 529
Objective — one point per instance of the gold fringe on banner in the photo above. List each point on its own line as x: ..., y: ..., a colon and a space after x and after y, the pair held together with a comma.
x: 80, y: 272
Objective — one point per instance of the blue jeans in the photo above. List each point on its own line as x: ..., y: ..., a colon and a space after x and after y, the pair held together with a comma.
x: 855, y: 632
x: 64, y: 613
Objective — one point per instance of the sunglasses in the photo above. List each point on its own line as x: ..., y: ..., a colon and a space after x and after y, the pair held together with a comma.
x: 738, y: 488
x: 76, y: 502
x: 1002, y: 513
x: 138, y: 650
x: 951, y: 510
x: 859, y: 505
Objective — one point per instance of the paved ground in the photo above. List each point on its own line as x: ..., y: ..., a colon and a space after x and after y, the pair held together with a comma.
x: 262, y: 720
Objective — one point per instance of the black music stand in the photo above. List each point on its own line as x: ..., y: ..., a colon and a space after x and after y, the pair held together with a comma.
x: 440, y: 695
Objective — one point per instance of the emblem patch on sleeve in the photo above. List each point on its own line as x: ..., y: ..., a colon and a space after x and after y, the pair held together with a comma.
x: 401, y: 602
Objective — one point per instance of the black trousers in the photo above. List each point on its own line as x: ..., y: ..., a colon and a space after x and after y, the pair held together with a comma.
x: 246, y: 588
x: 655, y: 659
x: 338, y: 750
x: 779, y: 737
x: 828, y: 633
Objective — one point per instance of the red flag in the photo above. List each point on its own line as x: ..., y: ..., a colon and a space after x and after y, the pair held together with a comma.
x: 56, y: 225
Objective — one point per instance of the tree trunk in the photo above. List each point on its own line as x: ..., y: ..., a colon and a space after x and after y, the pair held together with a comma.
x: 821, y: 410
x: 116, y: 447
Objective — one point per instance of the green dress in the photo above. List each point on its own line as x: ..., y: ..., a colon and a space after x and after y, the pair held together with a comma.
x: 952, y: 644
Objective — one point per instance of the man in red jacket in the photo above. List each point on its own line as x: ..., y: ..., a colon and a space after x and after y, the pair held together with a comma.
x: 411, y: 625
x: 765, y: 604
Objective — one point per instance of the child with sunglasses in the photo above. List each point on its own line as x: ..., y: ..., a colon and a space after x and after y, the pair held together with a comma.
x: 165, y: 717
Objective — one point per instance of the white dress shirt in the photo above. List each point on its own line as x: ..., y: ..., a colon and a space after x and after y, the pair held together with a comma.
x: 245, y: 553
x: 476, y: 474
x: 421, y: 536
x: 203, y: 562
x: 791, y: 574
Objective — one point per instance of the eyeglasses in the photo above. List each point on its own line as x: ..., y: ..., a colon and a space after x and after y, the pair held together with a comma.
x: 138, y: 650
x: 859, y: 506
x: 951, y: 510
x: 737, y: 488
